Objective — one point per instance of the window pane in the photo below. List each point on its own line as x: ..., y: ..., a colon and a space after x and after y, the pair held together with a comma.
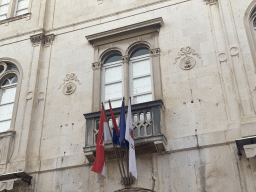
x: 141, y: 68
x: 6, y: 112
x: 22, y: 4
x: 2, y: 17
x: 4, y: 9
x: 114, y: 104
x: 21, y: 12
x: 8, y: 95
x: 113, y: 58
x: 113, y: 74
x: 4, y: 126
x: 140, y: 51
x: 5, y: 2
x: 143, y: 98
x: 113, y: 91
x: 142, y: 85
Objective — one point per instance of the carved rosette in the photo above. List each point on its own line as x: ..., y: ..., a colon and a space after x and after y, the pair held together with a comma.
x: 96, y: 65
x: 187, y: 58
x: 69, y: 83
x: 38, y: 39
x: 155, y: 52
x: 211, y: 2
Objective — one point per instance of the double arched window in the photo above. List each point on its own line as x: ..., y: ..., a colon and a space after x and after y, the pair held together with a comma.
x: 138, y: 80
x: 8, y: 86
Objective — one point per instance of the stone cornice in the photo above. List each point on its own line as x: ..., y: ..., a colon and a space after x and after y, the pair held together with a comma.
x: 46, y: 40
x: 153, y: 23
x: 211, y: 2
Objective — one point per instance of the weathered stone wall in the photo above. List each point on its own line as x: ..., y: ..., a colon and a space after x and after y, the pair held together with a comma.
x: 206, y: 108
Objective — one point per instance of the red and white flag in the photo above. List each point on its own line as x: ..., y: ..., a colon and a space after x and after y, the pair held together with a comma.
x: 129, y: 137
x: 102, y: 137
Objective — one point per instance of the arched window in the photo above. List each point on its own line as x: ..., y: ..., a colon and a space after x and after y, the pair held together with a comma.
x: 112, y: 80
x: 8, y: 85
x: 141, y: 85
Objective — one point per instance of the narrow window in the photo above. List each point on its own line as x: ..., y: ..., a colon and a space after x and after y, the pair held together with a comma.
x: 112, y: 80
x: 141, y: 89
x: 8, y: 86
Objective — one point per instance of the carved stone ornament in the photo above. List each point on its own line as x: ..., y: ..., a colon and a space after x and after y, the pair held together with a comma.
x: 96, y: 65
x: 211, y: 1
x: 38, y: 39
x: 125, y: 59
x: 187, y: 58
x: 69, y: 85
x: 155, y: 52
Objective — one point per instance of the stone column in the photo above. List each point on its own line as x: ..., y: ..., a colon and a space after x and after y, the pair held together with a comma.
x: 33, y: 154
x: 126, y: 84
x: 237, y: 63
x: 156, y: 71
x: 229, y: 87
x: 96, y: 99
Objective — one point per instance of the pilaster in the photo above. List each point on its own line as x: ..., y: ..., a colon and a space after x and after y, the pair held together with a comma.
x: 126, y: 78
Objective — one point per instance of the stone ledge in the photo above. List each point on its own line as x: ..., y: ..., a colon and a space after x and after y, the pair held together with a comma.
x: 11, y: 19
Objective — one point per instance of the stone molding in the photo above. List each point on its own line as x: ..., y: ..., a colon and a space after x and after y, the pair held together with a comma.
x: 40, y: 38
x: 134, y: 190
x: 7, y: 134
x: 211, y: 2
x: 153, y: 23
x: 96, y: 65
x: 11, y: 19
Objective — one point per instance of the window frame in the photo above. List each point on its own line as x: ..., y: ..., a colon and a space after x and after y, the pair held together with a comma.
x: 12, y: 10
x: 131, y: 90
x: 124, y: 39
x: 6, y: 74
x: 103, y: 84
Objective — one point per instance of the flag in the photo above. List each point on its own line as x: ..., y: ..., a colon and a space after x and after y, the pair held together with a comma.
x: 102, y: 137
x: 115, y: 128
x: 129, y: 137
x: 122, y: 126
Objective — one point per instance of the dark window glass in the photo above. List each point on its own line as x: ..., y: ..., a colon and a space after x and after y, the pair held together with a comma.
x: 254, y: 23
x: 6, y: 82
x: 113, y: 58
x: 140, y: 51
x: 1, y: 68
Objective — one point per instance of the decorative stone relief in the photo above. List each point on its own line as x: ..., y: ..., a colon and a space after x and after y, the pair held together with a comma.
x: 48, y: 40
x: 69, y: 85
x: 187, y: 58
x: 223, y: 57
x: 211, y: 1
x: 154, y: 52
x: 29, y: 95
x: 125, y: 59
x: 41, y: 38
x: 96, y: 65
x: 234, y: 51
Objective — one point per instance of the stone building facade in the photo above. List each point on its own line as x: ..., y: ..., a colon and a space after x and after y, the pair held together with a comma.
x: 199, y: 98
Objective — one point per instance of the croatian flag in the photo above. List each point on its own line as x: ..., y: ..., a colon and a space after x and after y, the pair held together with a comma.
x: 129, y: 137
x: 102, y: 137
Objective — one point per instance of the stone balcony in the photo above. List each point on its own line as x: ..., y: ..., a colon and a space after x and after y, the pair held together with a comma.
x: 148, y: 125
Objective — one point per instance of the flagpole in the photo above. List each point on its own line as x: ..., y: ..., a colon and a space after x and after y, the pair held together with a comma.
x: 114, y: 147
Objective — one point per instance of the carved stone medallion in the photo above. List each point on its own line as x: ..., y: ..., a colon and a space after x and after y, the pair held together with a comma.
x: 187, y: 58
x: 69, y: 88
x: 69, y: 83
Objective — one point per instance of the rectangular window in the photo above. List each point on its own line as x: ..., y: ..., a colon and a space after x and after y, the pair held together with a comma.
x: 13, y: 8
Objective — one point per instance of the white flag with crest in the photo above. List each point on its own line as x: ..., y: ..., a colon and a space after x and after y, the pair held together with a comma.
x: 129, y: 137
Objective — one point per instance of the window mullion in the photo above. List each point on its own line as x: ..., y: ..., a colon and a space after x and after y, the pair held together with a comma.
x: 11, y: 9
